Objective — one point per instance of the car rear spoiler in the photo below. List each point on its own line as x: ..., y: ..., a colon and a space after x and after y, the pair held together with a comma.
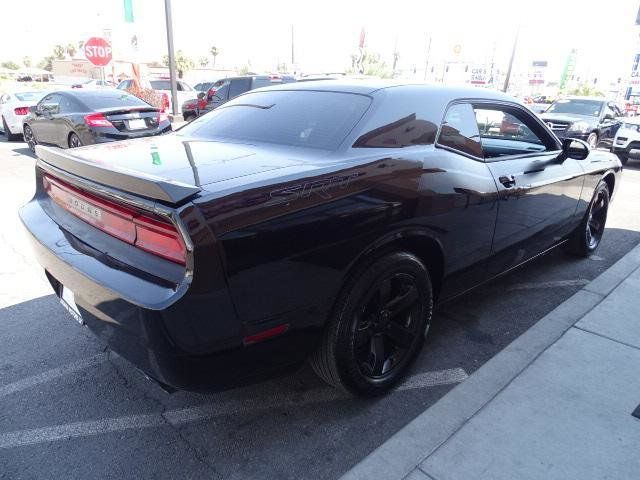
x: 137, y: 183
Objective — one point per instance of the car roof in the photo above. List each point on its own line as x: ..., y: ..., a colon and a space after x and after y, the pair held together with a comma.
x: 367, y: 87
x: 81, y: 93
x: 583, y: 97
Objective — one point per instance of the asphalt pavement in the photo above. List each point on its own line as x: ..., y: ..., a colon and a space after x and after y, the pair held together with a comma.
x: 69, y: 409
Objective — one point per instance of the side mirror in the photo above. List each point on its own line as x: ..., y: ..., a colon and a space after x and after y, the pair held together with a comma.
x: 608, y: 116
x: 575, y: 149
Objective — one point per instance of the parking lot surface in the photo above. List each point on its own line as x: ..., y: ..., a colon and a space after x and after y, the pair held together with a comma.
x: 69, y: 409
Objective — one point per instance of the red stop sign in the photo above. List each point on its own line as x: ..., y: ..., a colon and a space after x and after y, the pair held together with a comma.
x: 98, y: 51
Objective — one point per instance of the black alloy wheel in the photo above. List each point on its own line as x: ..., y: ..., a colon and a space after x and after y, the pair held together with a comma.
x: 378, y: 326
x: 597, y: 218
x: 74, y: 141
x: 30, y: 138
x: 587, y: 237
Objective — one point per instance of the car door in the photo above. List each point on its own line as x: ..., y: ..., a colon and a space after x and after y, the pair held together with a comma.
x: 538, y: 191
x: 609, y: 125
x: 41, y: 124
x: 61, y: 124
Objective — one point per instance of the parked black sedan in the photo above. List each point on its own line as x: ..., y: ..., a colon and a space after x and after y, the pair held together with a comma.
x: 319, y: 220
x: 594, y: 120
x: 74, y: 118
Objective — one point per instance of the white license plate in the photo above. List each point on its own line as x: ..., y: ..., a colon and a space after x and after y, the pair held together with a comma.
x: 137, y: 124
x: 68, y: 301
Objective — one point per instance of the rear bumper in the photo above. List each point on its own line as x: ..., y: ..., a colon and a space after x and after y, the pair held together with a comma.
x: 106, y: 135
x: 184, y: 336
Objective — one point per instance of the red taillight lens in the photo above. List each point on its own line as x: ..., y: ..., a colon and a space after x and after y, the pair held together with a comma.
x: 21, y: 110
x: 97, y: 120
x: 143, y: 231
x: 159, y: 238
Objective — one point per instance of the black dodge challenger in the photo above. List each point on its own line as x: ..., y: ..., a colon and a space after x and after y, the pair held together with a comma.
x: 320, y: 221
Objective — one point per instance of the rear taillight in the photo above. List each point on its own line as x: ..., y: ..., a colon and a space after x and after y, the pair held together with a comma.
x: 97, y: 120
x: 145, y: 231
x: 21, y: 111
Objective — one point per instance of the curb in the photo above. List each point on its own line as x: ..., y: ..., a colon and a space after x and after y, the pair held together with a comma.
x: 405, y: 450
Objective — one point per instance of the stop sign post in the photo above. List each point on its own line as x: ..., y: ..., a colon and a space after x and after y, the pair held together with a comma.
x: 98, y: 51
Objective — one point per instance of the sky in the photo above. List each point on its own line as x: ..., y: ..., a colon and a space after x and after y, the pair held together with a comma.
x: 326, y: 33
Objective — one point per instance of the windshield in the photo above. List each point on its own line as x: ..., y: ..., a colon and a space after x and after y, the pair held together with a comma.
x: 29, y: 96
x: 297, y: 118
x: 577, y: 107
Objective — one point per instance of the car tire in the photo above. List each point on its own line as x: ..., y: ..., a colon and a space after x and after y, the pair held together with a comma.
x: 74, y: 140
x: 623, y: 157
x: 592, y: 140
x: 7, y: 133
x: 377, y: 327
x: 586, y: 238
x: 30, y: 138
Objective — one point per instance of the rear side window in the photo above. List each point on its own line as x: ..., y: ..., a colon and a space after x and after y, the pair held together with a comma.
x: 297, y: 118
x: 112, y: 100
x: 460, y: 131
x: 402, y: 120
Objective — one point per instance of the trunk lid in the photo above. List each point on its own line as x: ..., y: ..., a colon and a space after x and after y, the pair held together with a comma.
x: 173, y: 168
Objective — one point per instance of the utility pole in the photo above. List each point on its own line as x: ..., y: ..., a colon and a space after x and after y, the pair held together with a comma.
x: 172, y: 59
x: 293, y: 51
x: 426, y: 60
x: 513, y: 54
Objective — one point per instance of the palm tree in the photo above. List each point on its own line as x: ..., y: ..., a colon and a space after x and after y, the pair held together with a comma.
x: 203, y: 61
x: 58, y: 52
x: 214, y: 53
x: 71, y: 50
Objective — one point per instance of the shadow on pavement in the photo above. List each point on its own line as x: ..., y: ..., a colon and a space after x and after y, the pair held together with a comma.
x: 290, y: 427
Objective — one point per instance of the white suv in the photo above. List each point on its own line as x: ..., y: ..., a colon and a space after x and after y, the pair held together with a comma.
x: 627, y: 139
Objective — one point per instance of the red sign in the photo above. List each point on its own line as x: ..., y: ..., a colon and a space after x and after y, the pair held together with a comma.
x: 98, y: 51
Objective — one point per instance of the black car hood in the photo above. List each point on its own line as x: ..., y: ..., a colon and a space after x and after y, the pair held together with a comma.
x: 568, y: 117
x: 210, y: 165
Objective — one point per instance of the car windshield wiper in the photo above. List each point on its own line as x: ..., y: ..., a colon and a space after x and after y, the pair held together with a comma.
x: 263, y: 107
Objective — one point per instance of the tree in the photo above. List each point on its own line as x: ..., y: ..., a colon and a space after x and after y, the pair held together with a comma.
x: 203, y: 61
x: 371, y: 64
x: 26, y: 61
x: 58, y: 52
x: 214, y: 53
x: 10, y: 65
x: 586, y: 90
x: 183, y: 63
x: 71, y: 50
x: 46, y: 63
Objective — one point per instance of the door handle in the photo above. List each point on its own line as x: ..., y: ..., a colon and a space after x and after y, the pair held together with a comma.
x: 508, y: 182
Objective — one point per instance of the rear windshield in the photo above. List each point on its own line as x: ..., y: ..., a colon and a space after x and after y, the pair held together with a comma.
x: 297, y: 118
x: 117, y: 98
x: 29, y: 96
x: 160, y: 84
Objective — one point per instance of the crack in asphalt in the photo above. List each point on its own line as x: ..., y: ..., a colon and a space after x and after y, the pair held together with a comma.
x: 163, y: 408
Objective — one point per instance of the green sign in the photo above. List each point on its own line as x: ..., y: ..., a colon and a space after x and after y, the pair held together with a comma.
x: 568, y: 69
x: 128, y: 11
